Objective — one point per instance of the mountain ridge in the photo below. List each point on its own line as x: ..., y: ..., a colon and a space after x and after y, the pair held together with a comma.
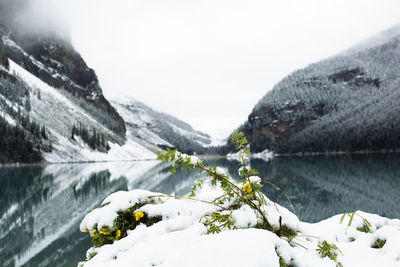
x: 38, y: 42
x: 159, y: 129
x: 344, y: 103
x: 52, y: 107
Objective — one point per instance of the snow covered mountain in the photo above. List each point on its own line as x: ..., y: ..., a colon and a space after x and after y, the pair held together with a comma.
x: 155, y: 130
x: 52, y: 107
x: 60, y: 113
x: 345, y: 103
x: 42, y: 46
x: 147, y: 130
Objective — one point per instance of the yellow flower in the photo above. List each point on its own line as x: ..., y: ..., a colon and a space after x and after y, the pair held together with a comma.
x: 247, y: 188
x: 138, y: 215
x: 93, y: 236
x: 118, y: 234
x: 104, y: 231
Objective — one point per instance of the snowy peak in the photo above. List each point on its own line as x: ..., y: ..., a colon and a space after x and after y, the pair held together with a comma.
x: 45, y: 51
x: 156, y: 130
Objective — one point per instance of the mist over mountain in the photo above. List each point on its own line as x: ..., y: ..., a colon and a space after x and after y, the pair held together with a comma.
x: 39, y: 42
x: 345, y: 103
x: 52, y: 107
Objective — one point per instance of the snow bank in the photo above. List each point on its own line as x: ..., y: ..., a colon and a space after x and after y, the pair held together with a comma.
x: 233, y: 156
x: 264, y: 155
x: 178, y: 236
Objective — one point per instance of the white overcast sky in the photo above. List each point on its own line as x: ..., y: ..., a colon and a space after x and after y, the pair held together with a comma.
x: 208, y: 62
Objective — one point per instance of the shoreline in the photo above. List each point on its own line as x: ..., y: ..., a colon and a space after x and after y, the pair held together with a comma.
x: 299, y: 154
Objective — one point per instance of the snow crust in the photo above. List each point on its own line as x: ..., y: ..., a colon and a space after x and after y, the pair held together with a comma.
x: 181, y: 238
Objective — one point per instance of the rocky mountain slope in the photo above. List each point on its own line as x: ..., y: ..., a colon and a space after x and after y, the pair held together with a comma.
x: 155, y: 130
x: 52, y: 107
x: 47, y: 53
x: 57, y: 125
x: 345, y: 103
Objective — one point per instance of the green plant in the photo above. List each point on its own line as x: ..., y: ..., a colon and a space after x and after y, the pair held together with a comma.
x: 351, y: 215
x: 126, y: 220
x: 245, y: 192
x: 217, y: 221
x: 326, y: 249
x: 248, y: 193
x: 91, y: 255
x: 379, y: 243
x: 282, y: 262
x: 235, y: 195
x: 366, y: 228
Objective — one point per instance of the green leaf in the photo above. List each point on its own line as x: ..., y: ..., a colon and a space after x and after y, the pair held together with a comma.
x: 342, y: 218
x: 351, y: 219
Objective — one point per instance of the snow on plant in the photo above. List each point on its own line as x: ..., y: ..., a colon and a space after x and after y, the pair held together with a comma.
x: 149, y: 228
x: 233, y: 198
x: 328, y: 250
x: 235, y: 195
x: 127, y: 219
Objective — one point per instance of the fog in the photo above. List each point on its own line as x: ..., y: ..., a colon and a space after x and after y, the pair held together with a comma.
x: 29, y: 16
x: 209, y: 62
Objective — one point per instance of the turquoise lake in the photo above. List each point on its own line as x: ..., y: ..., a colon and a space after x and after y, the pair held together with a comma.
x: 41, y: 207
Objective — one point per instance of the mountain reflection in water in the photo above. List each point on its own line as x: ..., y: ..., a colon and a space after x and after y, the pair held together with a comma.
x: 41, y: 207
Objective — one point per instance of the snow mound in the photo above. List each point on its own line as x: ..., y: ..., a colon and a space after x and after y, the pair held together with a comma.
x: 265, y: 155
x: 178, y: 236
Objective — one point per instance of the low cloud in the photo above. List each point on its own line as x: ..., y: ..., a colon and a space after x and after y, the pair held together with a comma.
x: 33, y: 16
x: 209, y: 62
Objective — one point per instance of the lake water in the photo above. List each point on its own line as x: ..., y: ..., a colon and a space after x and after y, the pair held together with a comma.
x: 41, y: 207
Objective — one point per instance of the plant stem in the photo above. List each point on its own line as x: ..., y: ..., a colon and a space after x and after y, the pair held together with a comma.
x: 245, y: 170
x: 194, y: 199
x: 249, y: 202
x: 219, y: 197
